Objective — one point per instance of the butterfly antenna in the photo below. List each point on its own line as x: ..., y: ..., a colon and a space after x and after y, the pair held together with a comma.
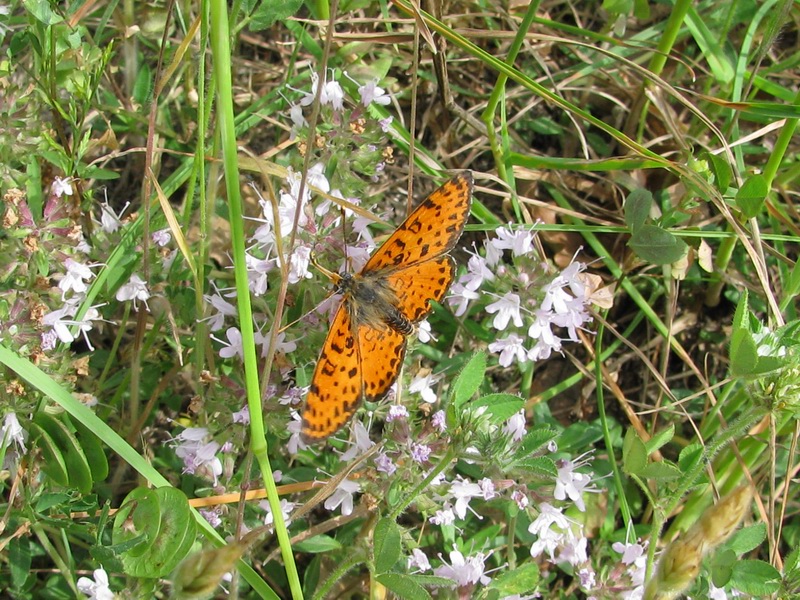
x: 334, y: 277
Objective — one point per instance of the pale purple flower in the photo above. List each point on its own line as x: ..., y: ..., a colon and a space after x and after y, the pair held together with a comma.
x: 298, y: 264
x: 293, y: 396
x: 298, y: 120
x: 97, y: 588
x: 478, y: 271
x: 294, y: 427
x: 343, y: 496
x: 464, y: 571
x: 493, y: 254
x: 136, y: 290
x: 587, y: 578
x: 424, y: 334
x: 487, y: 487
x: 386, y: 124
x: 420, y: 452
x: 510, y: 349
x: 460, y: 297
x: 361, y: 444
x: 198, y: 455
x: 286, y: 511
x: 282, y: 345
x: 333, y: 94
x: 439, y: 421
x: 223, y: 309
x: 515, y: 426
x: 257, y: 271
x: 548, y: 539
x: 60, y: 322
x: 12, y: 432
x: 634, y: 557
x: 110, y: 221
x: 76, y: 278
x: 519, y: 242
x: 464, y: 490
x: 507, y: 309
x: 162, y: 237
x: 308, y: 97
x: 385, y: 464
x: 445, y: 516
x: 521, y: 498
x: 419, y: 560
x: 541, y: 330
x: 242, y: 416
x: 370, y: 92
x: 62, y: 186
x: 233, y: 347
x: 212, y: 515
x: 572, y: 484
x: 397, y: 411
x: 574, y: 550
x: 423, y: 385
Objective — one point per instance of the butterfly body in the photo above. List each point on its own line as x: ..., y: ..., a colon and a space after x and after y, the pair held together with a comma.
x: 363, y: 353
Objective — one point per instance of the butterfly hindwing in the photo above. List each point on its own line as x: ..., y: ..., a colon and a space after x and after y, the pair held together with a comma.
x: 336, y: 387
x: 384, y: 350
x: 417, y: 285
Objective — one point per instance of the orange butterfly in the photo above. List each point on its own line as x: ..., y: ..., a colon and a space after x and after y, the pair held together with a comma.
x: 364, y: 350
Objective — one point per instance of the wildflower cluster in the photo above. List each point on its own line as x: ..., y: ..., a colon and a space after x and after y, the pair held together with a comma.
x: 529, y: 303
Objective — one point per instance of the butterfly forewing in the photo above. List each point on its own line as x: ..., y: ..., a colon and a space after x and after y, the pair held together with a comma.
x: 430, y: 231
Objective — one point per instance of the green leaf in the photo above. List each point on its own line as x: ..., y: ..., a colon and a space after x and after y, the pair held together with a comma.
x: 500, y: 407
x: 317, y: 544
x: 522, y: 580
x: 656, y: 245
x: 19, y: 560
x: 93, y: 450
x: 634, y: 453
x: 722, y: 567
x: 138, y: 515
x: 387, y: 545
x: 80, y: 474
x: 748, y: 538
x: 171, y: 542
x: 756, y: 578
x: 469, y: 379
x: 637, y: 208
x: 405, y: 586
x: 751, y: 196
x: 165, y: 516
x: 269, y: 13
x: 658, y: 440
x: 721, y: 169
x: 689, y: 457
x: 143, y: 86
x: 54, y: 464
x: 542, y: 466
x: 41, y: 11
x: 535, y: 440
x: 660, y: 471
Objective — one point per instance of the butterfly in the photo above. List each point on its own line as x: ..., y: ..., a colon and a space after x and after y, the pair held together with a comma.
x: 363, y: 353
